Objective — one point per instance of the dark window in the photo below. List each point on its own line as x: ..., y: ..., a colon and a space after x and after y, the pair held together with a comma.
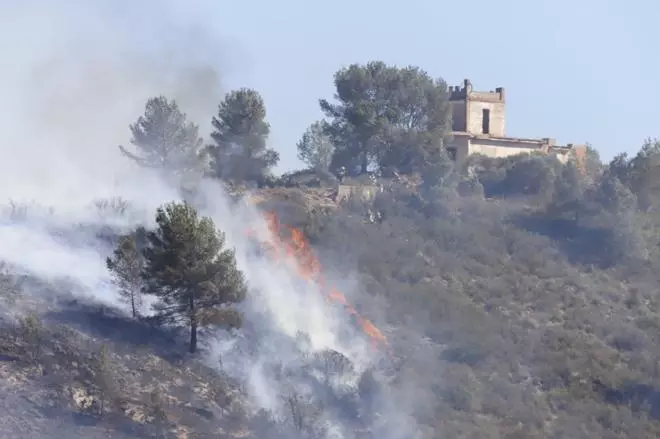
x: 485, y: 121
x: 451, y: 152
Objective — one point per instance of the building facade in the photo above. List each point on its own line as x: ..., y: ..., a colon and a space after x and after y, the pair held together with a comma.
x: 479, y: 127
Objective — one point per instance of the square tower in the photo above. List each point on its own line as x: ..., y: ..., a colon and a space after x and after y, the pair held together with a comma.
x: 477, y: 113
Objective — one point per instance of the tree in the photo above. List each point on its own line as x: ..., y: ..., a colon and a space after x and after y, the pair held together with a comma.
x: 589, y: 163
x: 386, y: 117
x: 532, y: 174
x: 188, y: 268
x: 125, y: 265
x: 239, y: 152
x: 165, y: 138
x: 642, y: 174
x: 568, y: 193
x: 315, y: 148
x: 436, y: 172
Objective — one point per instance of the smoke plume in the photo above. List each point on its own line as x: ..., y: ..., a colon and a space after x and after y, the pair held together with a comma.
x: 76, y: 75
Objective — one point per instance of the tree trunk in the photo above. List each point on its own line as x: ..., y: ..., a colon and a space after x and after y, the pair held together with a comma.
x: 193, y: 325
x: 193, y: 335
x: 133, y: 305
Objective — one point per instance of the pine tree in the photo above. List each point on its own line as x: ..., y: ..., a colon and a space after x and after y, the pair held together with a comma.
x: 189, y: 269
x: 165, y: 139
x: 315, y: 148
x: 125, y: 266
x: 239, y: 152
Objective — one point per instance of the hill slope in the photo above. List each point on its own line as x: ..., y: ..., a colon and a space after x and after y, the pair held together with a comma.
x: 508, y: 317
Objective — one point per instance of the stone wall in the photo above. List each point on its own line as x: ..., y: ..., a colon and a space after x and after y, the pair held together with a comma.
x: 475, y: 117
x: 503, y: 147
x: 458, y: 113
x: 464, y: 145
x: 468, y: 105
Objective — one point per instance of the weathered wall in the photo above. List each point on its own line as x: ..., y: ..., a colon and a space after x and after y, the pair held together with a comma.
x: 501, y: 148
x: 458, y: 115
x: 497, y: 117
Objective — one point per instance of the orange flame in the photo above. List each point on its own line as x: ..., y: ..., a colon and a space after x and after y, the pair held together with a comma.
x: 309, y: 268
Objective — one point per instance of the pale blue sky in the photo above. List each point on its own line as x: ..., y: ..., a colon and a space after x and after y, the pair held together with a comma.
x: 580, y: 71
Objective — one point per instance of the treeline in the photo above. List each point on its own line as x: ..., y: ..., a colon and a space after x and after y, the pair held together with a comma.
x: 383, y: 118
x: 603, y: 214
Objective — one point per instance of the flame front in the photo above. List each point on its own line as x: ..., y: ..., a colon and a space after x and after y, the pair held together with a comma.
x: 309, y: 268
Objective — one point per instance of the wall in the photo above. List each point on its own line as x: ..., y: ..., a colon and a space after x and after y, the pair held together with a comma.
x: 458, y: 115
x: 501, y: 148
x: 497, y: 117
x: 464, y: 145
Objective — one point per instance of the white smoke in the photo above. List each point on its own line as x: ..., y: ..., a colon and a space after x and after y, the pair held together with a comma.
x: 76, y: 75
x: 281, y: 305
x: 73, y: 76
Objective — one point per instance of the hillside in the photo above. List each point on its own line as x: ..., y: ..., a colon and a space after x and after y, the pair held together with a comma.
x: 191, y: 248
x: 511, y: 313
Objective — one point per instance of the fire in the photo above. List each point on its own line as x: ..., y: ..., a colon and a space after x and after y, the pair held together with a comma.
x: 309, y: 268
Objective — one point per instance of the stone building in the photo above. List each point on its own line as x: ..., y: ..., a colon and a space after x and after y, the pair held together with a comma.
x: 479, y: 127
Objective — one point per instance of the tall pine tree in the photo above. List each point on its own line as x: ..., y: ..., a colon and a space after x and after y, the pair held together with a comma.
x: 239, y: 152
x: 189, y: 269
x: 165, y: 139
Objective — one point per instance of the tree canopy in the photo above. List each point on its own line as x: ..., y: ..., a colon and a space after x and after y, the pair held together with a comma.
x: 386, y: 117
x: 315, y: 148
x: 165, y: 139
x: 125, y: 266
x: 189, y: 269
x: 239, y: 151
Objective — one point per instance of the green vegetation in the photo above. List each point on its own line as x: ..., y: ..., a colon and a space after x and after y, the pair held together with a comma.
x: 386, y: 117
x: 185, y: 264
x: 522, y: 292
x: 537, y: 278
x: 165, y: 138
x: 126, y: 269
x: 239, y: 151
x: 315, y: 148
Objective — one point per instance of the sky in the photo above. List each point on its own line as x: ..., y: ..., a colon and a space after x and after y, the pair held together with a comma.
x: 579, y: 71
